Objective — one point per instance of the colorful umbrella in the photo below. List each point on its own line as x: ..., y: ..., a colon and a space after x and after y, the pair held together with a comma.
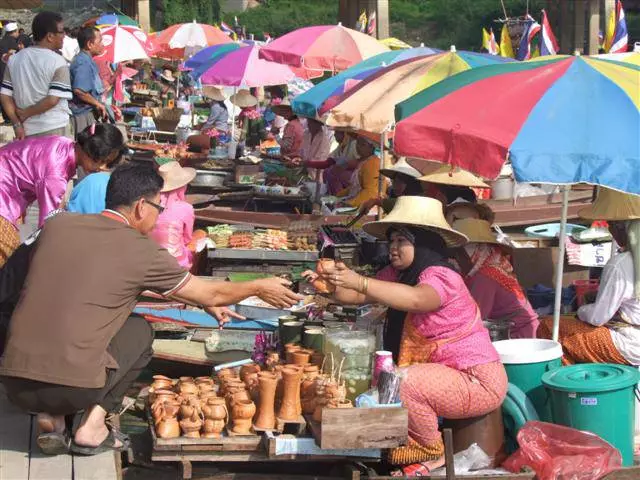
x: 124, y: 43
x: 627, y: 57
x: 370, y: 104
x: 322, y: 47
x: 309, y: 103
x: 243, y: 68
x: 193, y: 34
x: 561, y: 120
x: 205, y: 58
x: 116, y: 19
x: 394, y: 43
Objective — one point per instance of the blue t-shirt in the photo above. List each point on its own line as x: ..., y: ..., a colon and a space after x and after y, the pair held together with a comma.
x: 85, y: 76
x: 90, y: 194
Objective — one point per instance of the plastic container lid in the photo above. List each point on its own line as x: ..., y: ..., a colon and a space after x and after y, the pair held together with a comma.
x: 592, y: 378
x: 527, y: 350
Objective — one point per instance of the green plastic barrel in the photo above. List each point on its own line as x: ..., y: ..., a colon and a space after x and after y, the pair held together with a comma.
x: 597, y: 398
x: 526, y: 360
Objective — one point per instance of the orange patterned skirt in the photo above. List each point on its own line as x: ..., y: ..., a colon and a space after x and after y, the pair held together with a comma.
x: 9, y: 240
x: 581, y: 342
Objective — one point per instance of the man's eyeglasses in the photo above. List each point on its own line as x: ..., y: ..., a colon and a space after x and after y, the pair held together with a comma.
x: 160, y: 208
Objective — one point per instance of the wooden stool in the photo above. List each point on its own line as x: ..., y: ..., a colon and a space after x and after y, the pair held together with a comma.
x: 486, y: 430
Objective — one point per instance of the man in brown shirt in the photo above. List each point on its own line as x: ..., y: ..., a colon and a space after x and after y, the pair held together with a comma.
x: 72, y: 343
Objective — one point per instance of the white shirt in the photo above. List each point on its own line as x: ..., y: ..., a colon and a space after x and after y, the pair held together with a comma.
x: 615, y: 295
x: 70, y: 48
x: 33, y: 74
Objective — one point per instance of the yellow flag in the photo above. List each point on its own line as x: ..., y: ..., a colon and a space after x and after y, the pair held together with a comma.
x: 506, y: 47
x: 362, y: 22
x: 611, y: 30
x: 486, y: 40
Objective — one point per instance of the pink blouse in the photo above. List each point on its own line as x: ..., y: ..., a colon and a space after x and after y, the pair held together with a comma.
x: 457, y: 311
x: 35, y: 169
x: 174, y: 231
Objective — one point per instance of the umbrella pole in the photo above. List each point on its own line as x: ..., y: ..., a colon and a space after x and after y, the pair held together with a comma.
x: 383, y: 137
x: 233, y: 117
x: 560, y: 266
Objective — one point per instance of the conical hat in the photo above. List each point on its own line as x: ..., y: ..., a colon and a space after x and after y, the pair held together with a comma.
x: 421, y: 212
x: 612, y: 205
x: 401, y: 166
x: 476, y: 230
x: 244, y: 99
x: 175, y: 176
x: 433, y: 172
x: 214, y: 93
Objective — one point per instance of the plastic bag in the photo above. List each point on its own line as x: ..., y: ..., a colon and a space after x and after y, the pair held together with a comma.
x: 558, y: 452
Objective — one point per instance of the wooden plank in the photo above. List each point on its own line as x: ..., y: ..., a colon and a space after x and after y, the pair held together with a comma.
x: 46, y: 467
x: 347, y: 428
x: 630, y: 473
x: 97, y: 467
x: 15, y: 436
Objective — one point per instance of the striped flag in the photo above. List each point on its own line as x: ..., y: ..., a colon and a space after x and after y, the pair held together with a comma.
x: 617, y: 38
x: 548, y: 43
x: 371, y: 26
x: 506, y: 47
x: 489, y: 42
x: 530, y: 31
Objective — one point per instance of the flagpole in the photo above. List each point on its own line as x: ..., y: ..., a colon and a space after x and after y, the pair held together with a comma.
x: 504, y: 10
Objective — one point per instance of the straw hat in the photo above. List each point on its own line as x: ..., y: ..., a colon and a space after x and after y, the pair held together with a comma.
x: 401, y: 166
x: 476, y: 230
x: 244, y: 99
x: 214, y: 93
x: 612, y: 205
x: 282, y: 109
x: 433, y: 172
x: 168, y: 76
x: 421, y: 212
x: 460, y: 209
x: 175, y: 176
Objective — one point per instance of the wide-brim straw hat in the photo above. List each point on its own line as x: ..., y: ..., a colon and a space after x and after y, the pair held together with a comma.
x: 433, y: 172
x: 175, y: 176
x: 214, y: 93
x: 401, y: 166
x: 282, y: 109
x: 476, y: 230
x: 611, y: 205
x: 168, y: 76
x: 244, y: 99
x: 420, y: 212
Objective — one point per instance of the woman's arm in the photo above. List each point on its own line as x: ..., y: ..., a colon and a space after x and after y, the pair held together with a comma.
x: 368, y: 182
x: 609, y: 299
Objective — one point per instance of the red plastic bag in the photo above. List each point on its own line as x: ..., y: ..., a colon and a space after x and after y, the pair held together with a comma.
x: 556, y: 452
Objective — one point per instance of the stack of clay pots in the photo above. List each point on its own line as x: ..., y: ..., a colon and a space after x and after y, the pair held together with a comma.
x: 187, y: 406
x: 238, y: 391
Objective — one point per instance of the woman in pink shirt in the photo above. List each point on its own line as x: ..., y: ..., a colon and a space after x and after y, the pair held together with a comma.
x: 38, y: 169
x: 174, y: 228
x: 491, y: 280
x: 453, y: 369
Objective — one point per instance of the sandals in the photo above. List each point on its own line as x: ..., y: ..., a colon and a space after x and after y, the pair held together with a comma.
x: 108, y: 444
x: 54, y: 443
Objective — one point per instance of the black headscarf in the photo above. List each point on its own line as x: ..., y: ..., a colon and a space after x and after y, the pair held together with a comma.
x: 413, y: 186
x: 430, y: 251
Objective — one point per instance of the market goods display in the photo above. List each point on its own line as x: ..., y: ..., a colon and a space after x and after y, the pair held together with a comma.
x: 241, y: 240
x: 227, y: 236
x: 220, y: 234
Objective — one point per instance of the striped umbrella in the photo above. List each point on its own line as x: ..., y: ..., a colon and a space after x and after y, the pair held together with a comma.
x: 370, y: 104
x: 627, y: 57
x: 116, y: 19
x: 172, y: 42
x: 560, y: 120
x: 310, y: 102
x: 322, y: 47
x: 123, y: 43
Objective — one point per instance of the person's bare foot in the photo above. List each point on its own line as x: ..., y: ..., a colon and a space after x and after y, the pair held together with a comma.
x: 93, y: 430
x: 50, y: 423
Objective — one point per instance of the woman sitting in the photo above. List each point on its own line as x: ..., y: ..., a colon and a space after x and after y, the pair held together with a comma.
x: 174, y: 228
x: 252, y: 127
x: 218, y: 114
x: 39, y: 169
x: 608, y: 331
x: 453, y: 369
x: 404, y: 181
x: 491, y: 280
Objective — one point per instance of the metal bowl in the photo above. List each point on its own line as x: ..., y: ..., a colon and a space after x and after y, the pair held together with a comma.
x: 210, y: 178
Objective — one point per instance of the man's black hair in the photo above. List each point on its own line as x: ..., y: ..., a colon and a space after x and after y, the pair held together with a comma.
x: 85, y: 35
x: 130, y: 182
x: 45, y: 23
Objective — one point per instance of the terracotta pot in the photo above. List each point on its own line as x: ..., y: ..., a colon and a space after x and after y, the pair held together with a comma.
x: 311, y: 371
x: 342, y: 404
x: 168, y: 428
x: 226, y: 373
x: 215, y: 409
x: 186, y: 380
x: 242, y: 415
x: 163, y: 396
x: 289, y: 348
x: 205, y: 387
x: 204, y: 396
x: 171, y: 408
x: 190, y: 407
x: 251, y: 380
x: 248, y: 369
x: 300, y: 357
x: 161, y: 382
x: 191, y: 426
x: 239, y: 396
x: 189, y: 388
x: 213, y: 428
x: 201, y: 380
x: 266, y: 417
x: 291, y: 407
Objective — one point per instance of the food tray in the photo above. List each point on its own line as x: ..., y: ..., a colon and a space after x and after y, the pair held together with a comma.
x: 269, y: 255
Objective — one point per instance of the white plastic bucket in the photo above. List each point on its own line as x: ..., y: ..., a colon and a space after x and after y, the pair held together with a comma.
x: 502, y: 188
x: 527, y: 350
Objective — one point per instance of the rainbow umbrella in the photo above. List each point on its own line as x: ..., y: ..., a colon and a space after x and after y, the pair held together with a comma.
x: 370, y: 104
x: 310, y: 102
x: 242, y: 67
x: 323, y: 47
x: 204, y: 59
x: 560, y: 120
x: 627, y: 57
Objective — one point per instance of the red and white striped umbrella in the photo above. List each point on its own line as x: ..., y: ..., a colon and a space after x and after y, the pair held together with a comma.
x: 123, y: 43
x: 185, y: 35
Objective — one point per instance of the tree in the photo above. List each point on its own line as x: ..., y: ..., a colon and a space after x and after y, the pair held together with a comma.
x: 183, y: 11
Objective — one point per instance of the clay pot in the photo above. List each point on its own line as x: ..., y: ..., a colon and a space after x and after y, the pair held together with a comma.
x: 317, y: 358
x: 207, y: 380
x: 188, y: 388
x: 204, y: 387
x: 215, y: 409
x: 160, y: 382
x: 272, y: 359
x: 168, y: 428
x: 191, y: 426
x: 300, y: 357
x: 186, y: 380
x: 204, y: 396
x: 311, y: 371
x: 242, y: 415
x: 213, y: 428
x: 226, y: 373
x: 239, y: 396
x: 162, y: 396
x: 341, y: 404
x: 291, y: 407
x: 190, y: 407
x: 266, y: 417
x: 247, y: 370
x: 289, y: 348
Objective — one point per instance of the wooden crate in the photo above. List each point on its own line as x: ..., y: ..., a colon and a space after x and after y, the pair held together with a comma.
x: 361, y: 428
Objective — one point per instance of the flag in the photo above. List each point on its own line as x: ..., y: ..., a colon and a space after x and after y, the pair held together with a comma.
x: 489, y: 42
x: 235, y: 21
x: 227, y: 29
x: 361, y: 26
x: 371, y: 26
x: 530, y: 31
x: 506, y: 47
x: 495, y: 49
x: 617, y: 37
x: 548, y: 43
